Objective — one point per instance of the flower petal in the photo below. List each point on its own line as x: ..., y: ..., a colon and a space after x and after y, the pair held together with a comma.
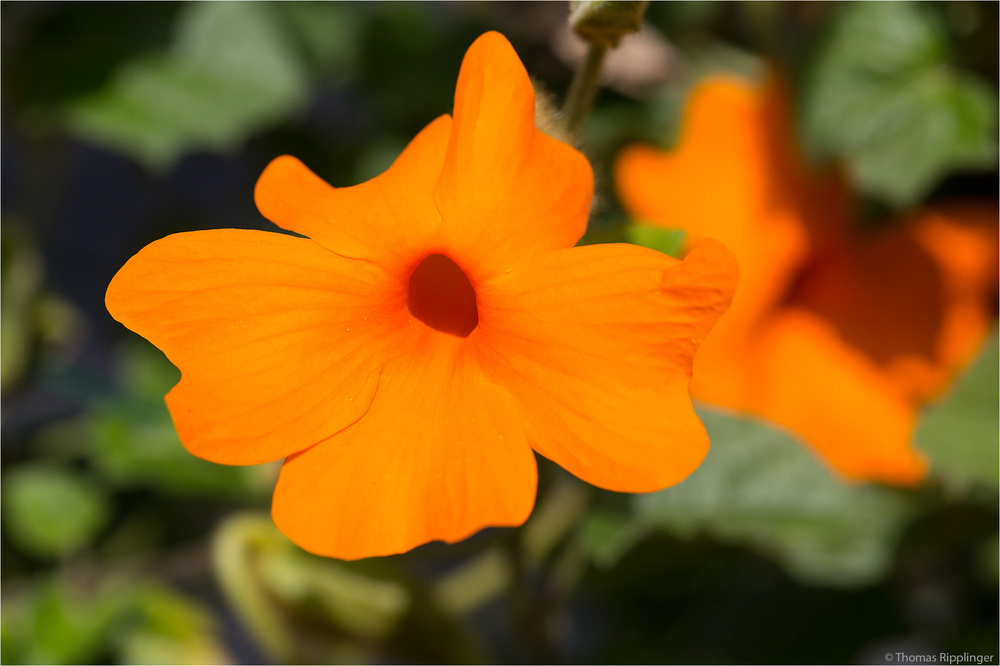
x: 835, y: 334
x: 836, y: 399
x: 378, y: 220
x: 961, y: 238
x: 879, y: 324
x: 507, y: 190
x: 734, y: 176
x: 596, y: 345
x: 276, y: 338
x: 439, y: 455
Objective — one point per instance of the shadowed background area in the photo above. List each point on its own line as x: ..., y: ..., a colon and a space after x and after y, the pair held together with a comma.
x: 125, y: 122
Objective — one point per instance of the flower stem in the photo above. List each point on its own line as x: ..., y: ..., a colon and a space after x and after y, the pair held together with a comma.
x: 583, y: 89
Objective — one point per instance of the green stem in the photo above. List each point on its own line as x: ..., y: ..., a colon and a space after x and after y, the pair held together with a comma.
x: 583, y: 89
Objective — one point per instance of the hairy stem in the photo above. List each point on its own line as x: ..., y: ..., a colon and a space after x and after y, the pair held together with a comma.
x: 583, y: 89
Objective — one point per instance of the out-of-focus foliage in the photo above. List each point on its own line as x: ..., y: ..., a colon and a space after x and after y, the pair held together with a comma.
x: 273, y: 583
x: 57, y: 627
x: 168, y: 628
x: 127, y: 621
x: 29, y: 315
x: 304, y: 608
x: 961, y: 432
x: 51, y: 511
x: 760, y: 487
x: 120, y: 547
x: 22, y: 274
x: 884, y: 96
x: 231, y: 70
x: 667, y: 241
x: 133, y: 442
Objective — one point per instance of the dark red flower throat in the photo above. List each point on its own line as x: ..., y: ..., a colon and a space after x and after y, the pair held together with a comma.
x: 442, y: 297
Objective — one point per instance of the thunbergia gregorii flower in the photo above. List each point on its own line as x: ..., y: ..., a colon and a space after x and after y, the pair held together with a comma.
x: 837, y: 333
x: 435, y: 325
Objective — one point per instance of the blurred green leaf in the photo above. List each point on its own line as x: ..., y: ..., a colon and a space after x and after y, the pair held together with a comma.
x: 58, y: 622
x: 133, y: 441
x: 52, y: 511
x: 22, y: 273
x: 231, y: 71
x: 377, y: 157
x: 607, y: 535
x: 172, y: 629
x: 667, y: 241
x: 239, y: 547
x: 330, y: 32
x: 137, y: 445
x: 236, y: 547
x: 760, y: 487
x: 145, y: 371
x: 987, y: 560
x: 11, y: 641
x: 309, y: 609
x: 883, y: 96
x: 66, y: 629
x: 961, y: 432
x: 360, y: 605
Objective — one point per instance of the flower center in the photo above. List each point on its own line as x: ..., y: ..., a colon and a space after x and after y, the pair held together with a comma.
x: 442, y: 297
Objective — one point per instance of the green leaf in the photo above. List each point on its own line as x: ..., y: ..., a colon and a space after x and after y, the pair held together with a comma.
x: 329, y: 31
x: 13, y: 642
x: 760, y: 487
x: 360, y: 605
x: 300, y: 608
x: 961, y: 432
x: 136, y: 621
x: 22, y: 272
x: 607, y: 535
x: 667, y: 241
x: 137, y: 445
x: 52, y: 511
x: 133, y: 442
x: 145, y: 371
x: 66, y: 629
x: 231, y: 71
x: 883, y: 97
x: 172, y: 629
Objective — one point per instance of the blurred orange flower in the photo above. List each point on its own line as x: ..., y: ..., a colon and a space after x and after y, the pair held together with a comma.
x: 435, y: 325
x: 837, y: 333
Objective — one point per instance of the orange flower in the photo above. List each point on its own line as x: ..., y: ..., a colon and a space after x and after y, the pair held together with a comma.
x: 434, y: 327
x: 836, y: 333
